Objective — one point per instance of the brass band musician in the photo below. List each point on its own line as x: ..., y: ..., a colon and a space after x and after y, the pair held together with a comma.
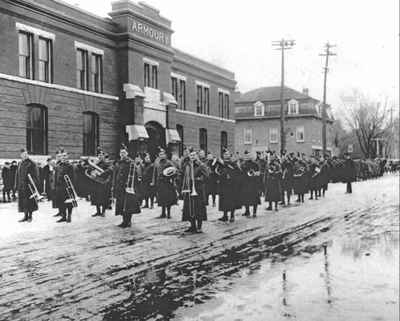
x: 252, y: 185
x: 24, y: 185
x: 125, y: 183
x: 63, y: 202
x: 194, y: 174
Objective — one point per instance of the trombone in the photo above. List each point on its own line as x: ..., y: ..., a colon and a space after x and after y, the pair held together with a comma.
x: 72, y: 196
x: 33, y: 189
x: 130, y: 183
x: 186, y: 182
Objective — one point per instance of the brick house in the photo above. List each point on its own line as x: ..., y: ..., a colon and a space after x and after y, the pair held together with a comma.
x: 70, y: 78
x: 257, y: 115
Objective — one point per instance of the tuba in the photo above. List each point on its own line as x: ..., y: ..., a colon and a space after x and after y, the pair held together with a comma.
x: 94, y: 172
x: 72, y: 196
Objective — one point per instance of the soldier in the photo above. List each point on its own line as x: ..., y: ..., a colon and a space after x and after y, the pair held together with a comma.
x: 300, y: 180
x: 165, y: 185
x: 251, y: 184
x: 194, y: 174
x: 229, y: 198
x: 64, y: 199
x: 27, y: 176
x: 324, y: 174
x: 13, y: 170
x: 8, y: 181
x: 273, y: 179
x: 287, y: 177
x: 101, y: 184
x: 125, y: 183
x: 148, y: 189
x: 349, y: 172
x: 212, y: 180
x: 314, y: 178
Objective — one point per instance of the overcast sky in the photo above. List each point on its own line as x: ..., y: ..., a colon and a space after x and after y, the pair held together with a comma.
x: 238, y: 34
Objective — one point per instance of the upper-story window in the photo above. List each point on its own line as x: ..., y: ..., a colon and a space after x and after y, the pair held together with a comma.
x: 223, y: 103
x: 248, y: 136
x: 178, y: 89
x: 300, y: 134
x: 293, y: 107
x: 202, y: 98
x: 97, y: 73
x: 89, y: 67
x: 25, y: 54
x: 259, y: 109
x: 82, y: 69
x: 273, y: 135
x: 45, y: 60
x: 150, y: 73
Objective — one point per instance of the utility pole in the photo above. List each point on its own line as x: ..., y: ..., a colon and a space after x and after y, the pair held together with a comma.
x: 283, y: 45
x: 327, y: 53
x: 377, y: 140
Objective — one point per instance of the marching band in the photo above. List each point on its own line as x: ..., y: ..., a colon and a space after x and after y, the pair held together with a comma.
x: 239, y: 183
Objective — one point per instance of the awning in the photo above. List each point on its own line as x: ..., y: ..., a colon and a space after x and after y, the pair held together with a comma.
x: 172, y: 136
x: 132, y: 91
x: 169, y: 99
x: 136, y: 132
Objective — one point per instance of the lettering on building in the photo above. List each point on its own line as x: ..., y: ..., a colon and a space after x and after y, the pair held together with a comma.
x: 151, y: 33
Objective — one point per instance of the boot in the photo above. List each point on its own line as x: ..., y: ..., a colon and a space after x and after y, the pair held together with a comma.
x: 232, y: 219
x: 29, y: 216
x: 25, y: 219
x: 224, y: 218
x: 57, y: 215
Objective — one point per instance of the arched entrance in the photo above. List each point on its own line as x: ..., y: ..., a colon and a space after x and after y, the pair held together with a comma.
x: 156, y: 138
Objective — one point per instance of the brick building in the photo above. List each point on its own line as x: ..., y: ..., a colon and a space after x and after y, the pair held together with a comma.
x: 72, y: 79
x: 257, y: 115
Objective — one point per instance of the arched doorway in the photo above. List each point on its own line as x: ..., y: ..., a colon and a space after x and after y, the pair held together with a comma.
x: 156, y: 138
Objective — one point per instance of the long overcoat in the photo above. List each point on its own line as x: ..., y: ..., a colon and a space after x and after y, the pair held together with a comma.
x: 252, y: 184
x: 230, y: 187
x: 101, y: 189
x: 166, y: 189
x: 25, y: 167
x: 62, y: 169
x: 273, y: 187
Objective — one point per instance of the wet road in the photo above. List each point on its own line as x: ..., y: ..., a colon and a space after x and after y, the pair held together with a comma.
x: 334, y: 257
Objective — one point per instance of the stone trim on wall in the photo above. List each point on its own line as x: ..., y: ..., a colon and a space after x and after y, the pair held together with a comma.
x: 205, y: 116
x: 54, y: 86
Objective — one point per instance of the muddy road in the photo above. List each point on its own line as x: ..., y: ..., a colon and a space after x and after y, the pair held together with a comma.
x: 92, y: 270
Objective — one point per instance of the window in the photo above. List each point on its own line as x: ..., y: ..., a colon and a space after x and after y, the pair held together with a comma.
x: 221, y: 104
x: 179, y: 129
x: 174, y: 87
x: 248, y: 133
x: 300, y: 134
x: 36, y: 130
x: 206, y: 100
x: 259, y: 109
x: 224, y: 141
x: 90, y: 133
x: 182, y: 95
x: 82, y: 74
x: 199, y: 99
x: 25, y: 54
x: 45, y: 60
x: 226, y: 103
x: 273, y: 135
x: 293, y: 107
x: 146, y: 75
x: 154, y: 77
x: 203, y: 139
x: 97, y: 73
x: 179, y: 92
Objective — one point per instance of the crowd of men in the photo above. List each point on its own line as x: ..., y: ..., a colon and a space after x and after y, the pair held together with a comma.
x: 196, y: 178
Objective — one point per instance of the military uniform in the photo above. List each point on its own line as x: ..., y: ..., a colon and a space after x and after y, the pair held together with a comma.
x: 101, y: 188
x: 61, y: 194
x: 165, y: 187
x: 26, y: 204
x: 126, y: 204
x: 251, y: 186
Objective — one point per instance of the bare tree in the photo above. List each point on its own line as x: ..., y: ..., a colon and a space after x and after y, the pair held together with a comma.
x: 368, y: 119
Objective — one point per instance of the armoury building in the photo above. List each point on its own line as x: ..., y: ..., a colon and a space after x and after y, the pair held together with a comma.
x: 71, y: 79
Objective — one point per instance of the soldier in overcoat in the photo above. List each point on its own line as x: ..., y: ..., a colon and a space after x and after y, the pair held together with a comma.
x: 251, y: 184
x: 194, y: 174
x: 126, y: 176
x: 63, y: 190
x: 26, y: 203
x: 273, y: 187
x: 229, y: 191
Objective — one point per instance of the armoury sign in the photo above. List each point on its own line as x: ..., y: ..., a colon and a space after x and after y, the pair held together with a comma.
x: 151, y: 33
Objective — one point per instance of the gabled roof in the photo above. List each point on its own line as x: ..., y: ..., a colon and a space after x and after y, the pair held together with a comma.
x: 271, y: 94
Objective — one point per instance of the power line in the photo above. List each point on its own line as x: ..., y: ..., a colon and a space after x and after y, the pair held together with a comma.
x: 327, y: 53
x: 282, y: 45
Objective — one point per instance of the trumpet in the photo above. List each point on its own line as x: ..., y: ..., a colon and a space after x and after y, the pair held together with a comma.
x: 130, y: 184
x: 33, y: 189
x: 72, y: 196
x: 252, y: 172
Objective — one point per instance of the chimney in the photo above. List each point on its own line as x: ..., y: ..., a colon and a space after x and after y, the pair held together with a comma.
x: 305, y: 91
